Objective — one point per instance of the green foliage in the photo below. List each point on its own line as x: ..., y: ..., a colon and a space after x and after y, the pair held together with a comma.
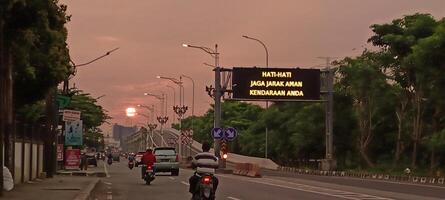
x: 35, y: 37
x: 92, y: 115
x: 385, y: 101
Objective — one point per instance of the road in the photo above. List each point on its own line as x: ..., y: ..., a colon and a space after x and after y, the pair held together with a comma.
x: 123, y: 183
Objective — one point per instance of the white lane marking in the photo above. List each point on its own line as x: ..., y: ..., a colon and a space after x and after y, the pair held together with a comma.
x: 106, y: 170
x: 185, y: 183
x: 312, y: 189
x: 233, y: 198
x: 171, y: 178
x: 336, y: 192
x: 324, y: 191
x: 108, y: 183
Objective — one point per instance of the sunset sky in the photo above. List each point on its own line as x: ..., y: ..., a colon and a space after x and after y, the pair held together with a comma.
x: 150, y: 34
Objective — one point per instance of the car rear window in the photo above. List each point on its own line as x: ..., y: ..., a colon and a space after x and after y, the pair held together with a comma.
x: 165, y: 152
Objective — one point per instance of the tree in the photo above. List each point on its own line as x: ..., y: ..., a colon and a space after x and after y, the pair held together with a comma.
x: 363, y: 79
x: 93, y: 116
x: 399, y: 38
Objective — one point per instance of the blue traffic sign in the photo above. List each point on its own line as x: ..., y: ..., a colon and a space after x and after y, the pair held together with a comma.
x: 217, y: 133
x: 230, y: 133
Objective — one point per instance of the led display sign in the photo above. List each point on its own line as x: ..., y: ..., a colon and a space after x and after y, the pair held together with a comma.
x: 275, y: 84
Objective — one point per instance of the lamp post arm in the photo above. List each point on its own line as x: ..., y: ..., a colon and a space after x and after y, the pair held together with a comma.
x: 98, y: 58
x: 264, y: 45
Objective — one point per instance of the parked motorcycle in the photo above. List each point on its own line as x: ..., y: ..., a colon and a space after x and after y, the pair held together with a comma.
x: 205, y: 189
x: 149, y: 175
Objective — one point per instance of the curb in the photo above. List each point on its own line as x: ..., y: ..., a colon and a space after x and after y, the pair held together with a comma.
x: 85, y: 193
x: 81, y: 173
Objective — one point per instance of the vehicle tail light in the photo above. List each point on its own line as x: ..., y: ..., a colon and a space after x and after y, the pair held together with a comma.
x: 206, y: 179
x: 149, y: 167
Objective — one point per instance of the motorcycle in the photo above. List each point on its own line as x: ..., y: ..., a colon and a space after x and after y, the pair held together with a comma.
x: 130, y: 164
x: 149, y: 175
x: 110, y: 161
x: 204, y: 189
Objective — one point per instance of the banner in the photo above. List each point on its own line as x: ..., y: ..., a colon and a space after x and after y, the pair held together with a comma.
x: 72, y: 159
x: 59, y: 152
x: 73, y: 133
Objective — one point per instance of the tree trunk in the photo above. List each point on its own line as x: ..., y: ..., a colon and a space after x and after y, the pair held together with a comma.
x: 435, y: 127
x: 400, y: 113
x: 364, y: 154
x: 433, y: 160
x: 417, y: 128
x: 6, y: 103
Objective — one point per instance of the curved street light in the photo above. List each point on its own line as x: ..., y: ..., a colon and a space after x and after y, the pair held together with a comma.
x: 217, y: 92
x: 267, y: 102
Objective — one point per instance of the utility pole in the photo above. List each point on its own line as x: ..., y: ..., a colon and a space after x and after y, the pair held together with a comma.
x: 329, y: 162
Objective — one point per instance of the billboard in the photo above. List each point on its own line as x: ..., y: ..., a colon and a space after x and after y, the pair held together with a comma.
x: 275, y: 84
x: 73, y: 133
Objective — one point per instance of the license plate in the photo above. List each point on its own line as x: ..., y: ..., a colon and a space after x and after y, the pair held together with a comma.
x: 149, y: 170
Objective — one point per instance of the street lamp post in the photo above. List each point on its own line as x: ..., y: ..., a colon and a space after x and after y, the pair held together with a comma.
x: 174, y: 99
x: 193, y: 108
x: 161, y: 119
x: 267, y: 102
x: 193, y: 95
x: 181, y: 106
x: 217, y: 92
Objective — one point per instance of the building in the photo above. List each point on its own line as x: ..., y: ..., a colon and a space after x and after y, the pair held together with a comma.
x: 121, y: 132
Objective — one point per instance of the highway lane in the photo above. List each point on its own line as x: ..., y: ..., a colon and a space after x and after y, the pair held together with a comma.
x: 423, y: 191
x: 127, y: 184
x: 377, y: 187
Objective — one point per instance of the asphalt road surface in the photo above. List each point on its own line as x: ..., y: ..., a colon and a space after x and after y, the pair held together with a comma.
x: 123, y: 183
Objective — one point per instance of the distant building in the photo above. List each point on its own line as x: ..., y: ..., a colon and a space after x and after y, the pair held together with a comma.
x: 121, y: 132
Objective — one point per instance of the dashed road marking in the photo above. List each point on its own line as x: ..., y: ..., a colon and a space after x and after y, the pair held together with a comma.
x: 185, y: 183
x: 312, y: 189
x: 233, y: 198
x: 108, y: 183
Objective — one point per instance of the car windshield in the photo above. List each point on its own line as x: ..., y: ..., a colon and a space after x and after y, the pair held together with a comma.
x: 165, y: 152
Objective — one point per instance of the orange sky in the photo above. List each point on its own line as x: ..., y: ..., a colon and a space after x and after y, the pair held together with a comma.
x: 150, y: 33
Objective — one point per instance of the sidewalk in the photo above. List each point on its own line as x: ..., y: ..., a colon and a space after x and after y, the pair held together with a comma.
x: 57, y: 188
x: 67, y: 185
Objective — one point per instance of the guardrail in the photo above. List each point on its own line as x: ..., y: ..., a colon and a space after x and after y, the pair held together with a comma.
x: 366, y: 175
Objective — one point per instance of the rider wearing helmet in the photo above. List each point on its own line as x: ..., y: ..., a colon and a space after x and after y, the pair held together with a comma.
x: 148, y: 159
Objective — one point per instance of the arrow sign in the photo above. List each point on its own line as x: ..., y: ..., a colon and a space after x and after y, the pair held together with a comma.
x: 217, y: 133
x: 230, y: 133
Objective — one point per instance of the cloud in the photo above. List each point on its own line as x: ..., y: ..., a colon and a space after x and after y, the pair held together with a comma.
x: 107, y: 38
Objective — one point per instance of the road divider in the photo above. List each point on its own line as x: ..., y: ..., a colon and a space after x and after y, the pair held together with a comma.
x: 366, y: 175
x: 247, y: 169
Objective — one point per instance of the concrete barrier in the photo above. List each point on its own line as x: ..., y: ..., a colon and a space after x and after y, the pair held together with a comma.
x: 254, y: 170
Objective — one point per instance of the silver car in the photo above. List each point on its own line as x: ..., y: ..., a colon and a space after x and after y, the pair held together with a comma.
x: 167, y: 160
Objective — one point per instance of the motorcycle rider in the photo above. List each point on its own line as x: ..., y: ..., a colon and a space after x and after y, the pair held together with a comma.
x: 148, y: 159
x: 205, y: 163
